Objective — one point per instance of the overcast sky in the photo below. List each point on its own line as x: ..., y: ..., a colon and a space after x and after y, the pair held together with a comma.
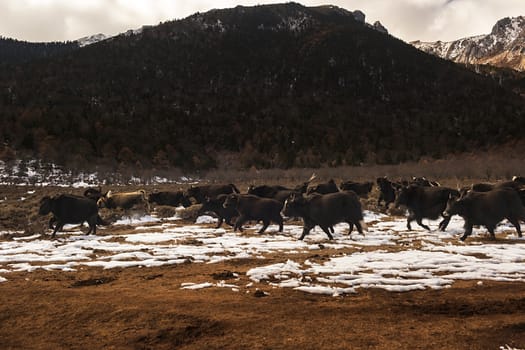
x: 427, y: 20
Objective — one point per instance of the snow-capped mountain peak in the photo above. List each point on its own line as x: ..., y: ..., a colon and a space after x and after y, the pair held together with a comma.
x: 92, y: 39
x: 503, y: 47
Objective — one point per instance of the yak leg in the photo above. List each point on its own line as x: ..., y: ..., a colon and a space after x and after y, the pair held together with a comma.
x: 443, y: 224
x: 238, y: 223
x: 468, y: 231
x: 516, y: 224
x: 93, y: 224
x: 306, y: 230
x: 229, y: 222
x: 219, y: 224
x: 491, y: 231
x: 419, y: 221
x: 90, y: 224
x: 327, y: 231
x: 90, y: 228
x: 351, y: 227
x: 280, y: 222
x: 58, y: 227
x: 359, y: 227
x: 52, y: 221
x: 266, y: 223
x: 410, y: 218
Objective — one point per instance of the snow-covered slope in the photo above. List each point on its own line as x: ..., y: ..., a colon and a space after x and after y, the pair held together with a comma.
x: 503, y: 47
x: 91, y: 39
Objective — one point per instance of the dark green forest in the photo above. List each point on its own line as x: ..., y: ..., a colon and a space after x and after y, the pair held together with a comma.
x: 279, y: 85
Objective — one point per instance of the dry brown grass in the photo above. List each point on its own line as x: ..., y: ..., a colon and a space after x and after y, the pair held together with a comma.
x: 456, y: 171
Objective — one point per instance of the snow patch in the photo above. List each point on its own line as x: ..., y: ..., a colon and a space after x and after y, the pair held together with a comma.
x: 395, y: 259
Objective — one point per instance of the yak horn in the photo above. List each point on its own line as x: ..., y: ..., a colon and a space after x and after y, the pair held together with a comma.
x: 312, y: 178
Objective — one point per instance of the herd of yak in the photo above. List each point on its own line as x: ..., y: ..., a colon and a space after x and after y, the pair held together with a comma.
x: 323, y: 205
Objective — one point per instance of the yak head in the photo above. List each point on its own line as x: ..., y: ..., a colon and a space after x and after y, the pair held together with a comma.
x: 45, y: 205
x: 294, y: 206
x: 231, y: 201
x: 455, y: 205
x: 104, y: 199
x: 402, y: 195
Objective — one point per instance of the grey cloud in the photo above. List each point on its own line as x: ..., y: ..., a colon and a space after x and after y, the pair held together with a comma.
x: 426, y: 20
x: 431, y: 20
x: 64, y: 20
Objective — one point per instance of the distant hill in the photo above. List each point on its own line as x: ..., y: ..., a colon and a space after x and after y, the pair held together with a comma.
x: 275, y: 85
x: 503, y: 47
x: 16, y: 51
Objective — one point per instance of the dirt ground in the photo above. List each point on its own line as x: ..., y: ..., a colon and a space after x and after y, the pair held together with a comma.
x: 145, y: 308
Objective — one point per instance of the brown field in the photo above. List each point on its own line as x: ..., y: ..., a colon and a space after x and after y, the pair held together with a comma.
x: 145, y: 308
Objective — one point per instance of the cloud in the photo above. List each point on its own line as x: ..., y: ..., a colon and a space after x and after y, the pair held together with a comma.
x: 446, y: 20
x: 48, y: 20
x: 430, y: 20
x: 68, y: 19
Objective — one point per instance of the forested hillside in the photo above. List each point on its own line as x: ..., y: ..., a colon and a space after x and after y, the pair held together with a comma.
x: 279, y: 85
x: 16, y: 51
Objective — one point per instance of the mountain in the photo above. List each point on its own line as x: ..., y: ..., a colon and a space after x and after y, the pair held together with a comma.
x: 267, y: 86
x: 503, y: 47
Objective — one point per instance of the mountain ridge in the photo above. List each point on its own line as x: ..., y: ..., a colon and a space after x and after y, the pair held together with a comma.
x: 95, y: 38
x: 278, y: 85
x: 503, y: 47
